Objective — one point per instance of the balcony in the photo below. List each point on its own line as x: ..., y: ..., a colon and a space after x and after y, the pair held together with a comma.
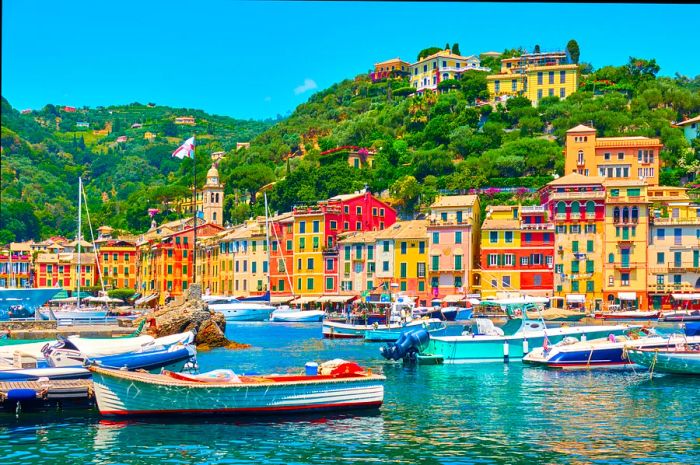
x: 577, y: 195
x: 627, y: 266
x: 537, y: 226
x: 674, y: 221
x: 330, y: 250
x: 532, y: 209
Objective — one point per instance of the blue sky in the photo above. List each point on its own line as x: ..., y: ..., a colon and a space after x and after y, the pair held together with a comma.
x: 260, y: 59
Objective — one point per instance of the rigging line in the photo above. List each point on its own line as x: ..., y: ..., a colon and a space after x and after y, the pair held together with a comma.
x: 92, y: 236
x: 286, y: 271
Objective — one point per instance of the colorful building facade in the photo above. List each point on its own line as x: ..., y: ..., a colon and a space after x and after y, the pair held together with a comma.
x: 535, y: 76
x: 16, y: 265
x: 429, y: 71
x: 622, y: 158
x: 394, y: 67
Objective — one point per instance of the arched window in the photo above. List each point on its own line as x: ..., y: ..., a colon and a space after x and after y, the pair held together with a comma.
x: 580, y: 157
x: 561, y: 207
x: 616, y: 214
x: 635, y: 214
x: 590, y: 208
x: 575, y: 207
x: 217, y: 197
x: 213, y: 216
x: 625, y: 215
x: 445, y: 76
x: 611, y: 258
x: 611, y: 297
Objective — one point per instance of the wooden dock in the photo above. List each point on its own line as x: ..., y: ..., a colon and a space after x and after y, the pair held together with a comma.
x: 20, y: 395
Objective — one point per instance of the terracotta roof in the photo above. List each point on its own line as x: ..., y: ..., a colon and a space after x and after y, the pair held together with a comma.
x: 575, y: 178
x: 343, y: 197
x: 443, y: 54
x: 581, y: 128
x: 359, y: 237
x: 455, y: 201
x: 502, y: 208
x: 500, y: 224
x: 689, y: 121
x: 416, y: 229
x: 390, y: 61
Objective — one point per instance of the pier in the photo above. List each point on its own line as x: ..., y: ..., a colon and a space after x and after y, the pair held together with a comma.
x: 36, y: 395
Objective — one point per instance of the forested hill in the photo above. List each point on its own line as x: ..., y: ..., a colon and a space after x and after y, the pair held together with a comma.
x: 423, y: 144
x: 45, y: 151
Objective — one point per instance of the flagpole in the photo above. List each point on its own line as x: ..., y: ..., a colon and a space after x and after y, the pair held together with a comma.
x: 194, y: 199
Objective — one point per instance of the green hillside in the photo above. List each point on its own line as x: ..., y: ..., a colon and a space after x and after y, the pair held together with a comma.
x: 423, y: 143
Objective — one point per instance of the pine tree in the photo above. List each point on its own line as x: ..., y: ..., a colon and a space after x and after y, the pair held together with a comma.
x: 537, y: 48
x: 455, y: 49
x: 447, y: 46
x: 573, y: 50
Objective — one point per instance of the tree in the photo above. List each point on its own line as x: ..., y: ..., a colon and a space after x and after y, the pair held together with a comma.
x: 427, y: 52
x: 474, y: 85
x: 406, y: 191
x: 447, y: 46
x: 537, y: 48
x: 250, y: 178
x: 641, y: 69
x: 170, y: 129
x: 123, y: 293
x: 573, y: 51
x: 19, y: 219
x: 455, y: 49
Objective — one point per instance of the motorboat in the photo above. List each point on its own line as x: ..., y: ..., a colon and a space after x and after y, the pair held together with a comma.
x: 682, y: 359
x: 235, y: 310
x: 628, y: 315
x: 608, y: 352
x: 334, y: 385
x: 74, y: 313
x: 680, y: 315
x: 288, y: 314
x: 434, y: 326
x: 483, y: 341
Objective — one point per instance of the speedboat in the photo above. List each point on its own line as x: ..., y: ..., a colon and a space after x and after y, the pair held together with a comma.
x: 483, y: 341
x: 609, y: 352
x: 235, y: 310
x: 88, y: 313
x: 434, y: 326
x: 287, y: 314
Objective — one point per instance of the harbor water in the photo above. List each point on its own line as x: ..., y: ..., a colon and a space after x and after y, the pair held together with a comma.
x: 485, y: 413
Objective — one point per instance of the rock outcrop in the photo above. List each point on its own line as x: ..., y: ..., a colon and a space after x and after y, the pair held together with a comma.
x: 191, y: 315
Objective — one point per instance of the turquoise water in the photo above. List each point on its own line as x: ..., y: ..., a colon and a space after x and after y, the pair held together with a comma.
x: 479, y: 413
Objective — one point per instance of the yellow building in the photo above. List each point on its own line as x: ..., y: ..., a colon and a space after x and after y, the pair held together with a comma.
x: 576, y: 204
x: 117, y: 259
x: 674, y: 249
x: 428, y: 72
x: 357, y: 265
x: 626, y: 240
x: 626, y: 158
x: 309, y: 233
x: 535, y: 76
x: 394, y: 67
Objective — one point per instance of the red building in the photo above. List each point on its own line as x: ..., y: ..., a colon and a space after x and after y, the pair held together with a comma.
x: 282, y: 255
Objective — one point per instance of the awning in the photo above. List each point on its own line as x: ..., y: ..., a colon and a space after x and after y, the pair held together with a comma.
x: 454, y: 298
x: 686, y: 296
x: 145, y: 299
x: 280, y: 299
x: 303, y: 300
x: 627, y: 295
x: 576, y: 298
x: 335, y: 299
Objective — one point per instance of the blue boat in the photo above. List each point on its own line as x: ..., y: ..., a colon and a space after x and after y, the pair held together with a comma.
x: 433, y: 326
x: 28, y: 299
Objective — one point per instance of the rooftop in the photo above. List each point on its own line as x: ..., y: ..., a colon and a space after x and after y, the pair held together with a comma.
x: 581, y: 128
x: 415, y: 229
x: 575, y: 178
x: 500, y: 224
x: 455, y: 201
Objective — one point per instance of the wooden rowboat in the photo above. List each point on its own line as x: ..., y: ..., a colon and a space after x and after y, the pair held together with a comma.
x: 135, y: 393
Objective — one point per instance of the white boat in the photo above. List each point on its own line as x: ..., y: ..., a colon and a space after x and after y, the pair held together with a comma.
x: 73, y: 314
x: 235, y: 310
x: 103, y: 347
x: 287, y: 314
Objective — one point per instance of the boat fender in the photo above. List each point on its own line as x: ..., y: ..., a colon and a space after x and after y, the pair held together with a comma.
x: 21, y: 394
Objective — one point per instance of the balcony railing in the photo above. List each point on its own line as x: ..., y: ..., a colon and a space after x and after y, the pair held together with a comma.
x: 577, y: 195
x: 678, y: 221
x: 537, y: 226
x: 330, y: 251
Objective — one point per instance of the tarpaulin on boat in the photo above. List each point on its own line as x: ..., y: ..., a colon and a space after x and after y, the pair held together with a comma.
x: 686, y: 296
x: 454, y: 298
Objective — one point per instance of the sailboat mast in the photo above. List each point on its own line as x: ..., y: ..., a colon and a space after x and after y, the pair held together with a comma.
x: 269, y: 264
x: 80, y: 231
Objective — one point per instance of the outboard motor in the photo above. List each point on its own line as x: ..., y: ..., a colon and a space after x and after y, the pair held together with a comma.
x: 408, y: 343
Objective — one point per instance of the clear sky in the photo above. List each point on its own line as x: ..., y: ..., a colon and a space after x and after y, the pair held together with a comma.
x: 260, y: 59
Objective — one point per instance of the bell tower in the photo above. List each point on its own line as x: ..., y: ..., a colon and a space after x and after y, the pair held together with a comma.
x: 213, y: 197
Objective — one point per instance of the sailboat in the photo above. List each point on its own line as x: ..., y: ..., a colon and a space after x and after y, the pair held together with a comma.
x: 77, y: 313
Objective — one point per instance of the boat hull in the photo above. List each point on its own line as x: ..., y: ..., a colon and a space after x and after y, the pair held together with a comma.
x: 126, y: 393
x: 246, y: 314
x: 627, y: 316
x: 29, y: 298
x: 592, y: 354
x: 334, y: 330
x: 464, y: 349
x: 660, y: 361
x: 304, y: 316
x: 75, y: 315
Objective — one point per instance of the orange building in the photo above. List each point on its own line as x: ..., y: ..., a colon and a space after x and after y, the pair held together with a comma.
x: 619, y: 158
x: 394, y: 67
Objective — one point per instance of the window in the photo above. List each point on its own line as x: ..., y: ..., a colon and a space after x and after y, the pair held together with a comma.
x: 315, y: 243
x: 539, y: 94
x: 402, y: 267
x: 302, y: 243
x: 421, y: 270
x: 358, y: 226
x: 358, y: 251
x: 458, y: 237
x: 289, y: 245
x: 403, y: 248
x: 497, y: 86
x: 386, y: 246
x: 329, y: 283
x: 524, y: 261
x: 614, y: 192
x: 374, y: 211
x: 574, y: 246
x: 574, y: 286
x: 458, y: 281
x: 421, y: 247
x: 458, y: 262
x: 493, y: 259
x: 347, y: 252
x: 660, y: 280
x: 358, y: 210
x: 611, y: 258
x: 381, y: 212
x: 280, y: 285
x: 537, y: 280
x: 506, y: 281
x: 385, y: 266
x: 435, y: 262
x: 661, y: 233
x: 346, y: 209
x: 589, y: 246
x: 562, y: 93
x: 590, y: 228
x: 436, y: 238
x: 625, y: 278
x: 575, y: 229
x: 633, y: 192
x: 620, y: 155
x: 170, y: 270
x: 551, y: 77
x: 309, y: 283
x: 316, y: 226
x: 589, y: 266
x: 333, y: 225
x: 370, y: 252
x: 606, y: 155
x: 309, y: 264
x: 574, y: 266
x: 509, y: 237
x: 561, y: 229
x: 539, y: 78
x: 494, y: 283
x: 493, y: 237
x: 562, y: 78
x: 508, y: 259
x: 514, y: 84
x: 558, y: 269
x: 253, y: 267
x: 302, y: 227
